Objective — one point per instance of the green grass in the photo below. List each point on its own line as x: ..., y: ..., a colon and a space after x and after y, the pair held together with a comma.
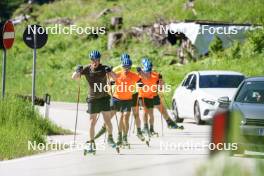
x: 20, y: 124
x: 222, y: 164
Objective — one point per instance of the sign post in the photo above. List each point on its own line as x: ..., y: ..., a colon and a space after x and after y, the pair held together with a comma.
x: 3, y: 72
x: 7, y: 39
x: 35, y: 37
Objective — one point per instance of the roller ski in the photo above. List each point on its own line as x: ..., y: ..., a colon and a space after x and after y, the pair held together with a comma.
x: 125, y: 143
x: 119, y: 142
x: 150, y: 132
x: 147, y: 134
x: 153, y: 133
x: 112, y: 144
x: 89, y: 148
x: 142, y: 138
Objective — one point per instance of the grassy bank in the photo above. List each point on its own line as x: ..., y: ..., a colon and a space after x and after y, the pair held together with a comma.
x: 222, y: 164
x: 20, y: 124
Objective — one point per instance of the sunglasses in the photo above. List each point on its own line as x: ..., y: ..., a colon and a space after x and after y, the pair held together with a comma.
x: 127, y: 68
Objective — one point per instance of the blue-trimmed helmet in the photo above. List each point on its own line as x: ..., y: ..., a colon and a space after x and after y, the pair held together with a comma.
x: 95, y: 55
x: 147, y: 65
x: 144, y: 60
x: 126, y: 62
x: 125, y: 56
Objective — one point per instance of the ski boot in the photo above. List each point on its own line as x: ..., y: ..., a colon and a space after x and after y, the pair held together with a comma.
x: 173, y: 125
x: 147, y: 134
x: 153, y: 133
x: 125, y: 142
x: 100, y: 133
x: 146, y: 130
x: 119, y: 142
x: 90, y: 148
x: 111, y: 143
x: 142, y: 138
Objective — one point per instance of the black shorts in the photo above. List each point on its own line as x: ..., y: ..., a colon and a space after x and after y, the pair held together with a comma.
x: 121, y: 105
x: 134, y: 100
x: 156, y: 100
x: 146, y: 102
x: 98, y: 105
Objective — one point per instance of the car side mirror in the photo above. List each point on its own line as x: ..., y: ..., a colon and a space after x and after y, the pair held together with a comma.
x: 224, y: 100
x: 191, y: 86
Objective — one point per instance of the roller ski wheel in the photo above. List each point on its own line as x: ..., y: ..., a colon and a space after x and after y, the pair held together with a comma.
x: 86, y: 152
x: 141, y: 137
x: 113, y: 145
x: 147, y: 143
x: 126, y: 145
x: 90, y: 148
x: 116, y: 147
x: 147, y: 139
x: 154, y: 134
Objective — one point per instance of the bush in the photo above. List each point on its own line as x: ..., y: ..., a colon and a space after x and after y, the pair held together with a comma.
x: 256, y: 39
x: 216, y: 45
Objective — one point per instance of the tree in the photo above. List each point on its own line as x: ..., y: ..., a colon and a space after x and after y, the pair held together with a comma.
x: 7, y: 7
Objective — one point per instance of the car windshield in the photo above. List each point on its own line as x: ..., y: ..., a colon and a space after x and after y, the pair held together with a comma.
x: 251, y: 92
x: 220, y: 81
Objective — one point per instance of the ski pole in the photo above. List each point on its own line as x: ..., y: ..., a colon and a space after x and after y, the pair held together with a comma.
x: 137, y: 112
x: 111, y: 94
x: 161, y: 119
x: 131, y: 123
x: 77, y: 110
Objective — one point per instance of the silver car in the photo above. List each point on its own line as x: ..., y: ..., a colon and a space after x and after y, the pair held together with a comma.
x: 249, y: 103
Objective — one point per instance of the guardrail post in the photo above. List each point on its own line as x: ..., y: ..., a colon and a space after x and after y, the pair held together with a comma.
x: 46, y: 105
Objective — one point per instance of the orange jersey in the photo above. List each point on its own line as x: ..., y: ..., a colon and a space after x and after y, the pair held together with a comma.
x: 150, y: 88
x: 125, y: 85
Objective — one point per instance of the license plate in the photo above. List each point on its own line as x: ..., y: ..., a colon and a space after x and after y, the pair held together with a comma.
x: 261, y: 132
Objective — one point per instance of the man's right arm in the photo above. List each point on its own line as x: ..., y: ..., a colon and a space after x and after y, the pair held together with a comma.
x: 77, y: 74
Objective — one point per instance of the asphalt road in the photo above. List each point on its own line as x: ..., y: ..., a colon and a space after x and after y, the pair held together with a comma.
x: 174, y: 153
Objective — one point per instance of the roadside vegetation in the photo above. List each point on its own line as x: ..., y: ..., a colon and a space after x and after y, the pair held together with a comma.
x: 19, y: 123
x: 222, y: 164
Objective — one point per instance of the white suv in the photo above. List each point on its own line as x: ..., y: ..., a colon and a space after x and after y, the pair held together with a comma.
x: 198, y: 94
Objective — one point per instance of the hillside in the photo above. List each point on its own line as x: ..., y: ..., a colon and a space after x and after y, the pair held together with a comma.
x: 56, y: 61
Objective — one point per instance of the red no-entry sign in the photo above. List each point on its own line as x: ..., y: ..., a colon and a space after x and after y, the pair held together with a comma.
x: 7, y: 37
x: 8, y: 34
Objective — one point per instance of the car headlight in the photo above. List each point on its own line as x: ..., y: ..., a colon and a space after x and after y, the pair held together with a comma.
x: 243, y: 121
x: 211, y: 102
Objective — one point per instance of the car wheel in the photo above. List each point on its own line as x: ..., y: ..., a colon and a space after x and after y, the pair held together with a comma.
x: 197, y: 114
x: 175, y: 112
